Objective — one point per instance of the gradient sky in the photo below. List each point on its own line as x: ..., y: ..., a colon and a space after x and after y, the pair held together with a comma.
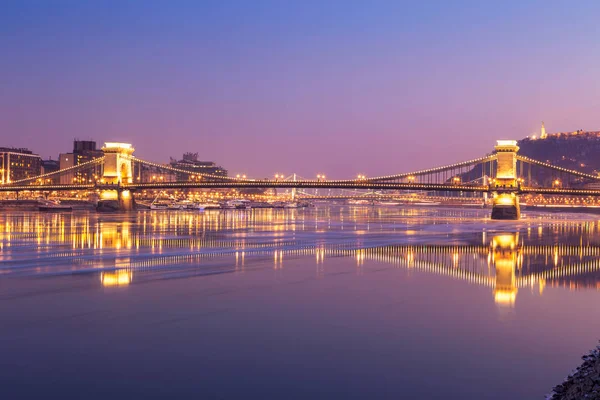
x: 335, y: 87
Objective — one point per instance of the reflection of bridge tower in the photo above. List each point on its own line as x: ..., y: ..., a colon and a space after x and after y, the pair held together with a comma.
x: 504, y: 248
x: 505, y: 187
x: 118, y: 169
x: 116, y: 236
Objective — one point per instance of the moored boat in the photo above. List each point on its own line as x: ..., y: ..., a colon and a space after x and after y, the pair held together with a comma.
x: 208, y: 206
x: 54, y: 206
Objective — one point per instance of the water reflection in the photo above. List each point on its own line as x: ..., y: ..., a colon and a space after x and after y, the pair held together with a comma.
x: 542, y: 251
x: 505, y: 258
x: 116, y: 278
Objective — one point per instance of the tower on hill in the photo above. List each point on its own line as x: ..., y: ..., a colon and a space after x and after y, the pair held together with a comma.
x: 543, y: 134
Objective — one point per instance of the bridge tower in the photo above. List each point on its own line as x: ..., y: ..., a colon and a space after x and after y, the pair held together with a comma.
x: 118, y: 169
x: 505, y: 256
x: 505, y: 186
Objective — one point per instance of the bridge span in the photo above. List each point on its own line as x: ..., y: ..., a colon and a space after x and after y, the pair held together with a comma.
x: 499, y: 178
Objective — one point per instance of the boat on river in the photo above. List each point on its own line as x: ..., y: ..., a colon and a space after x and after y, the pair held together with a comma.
x: 54, y: 206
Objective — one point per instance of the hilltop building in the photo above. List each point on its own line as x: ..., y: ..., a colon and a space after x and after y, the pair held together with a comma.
x: 580, y: 132
x: 543, y: 134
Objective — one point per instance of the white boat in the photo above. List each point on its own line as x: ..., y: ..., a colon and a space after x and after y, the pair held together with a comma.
x: 388, y: 203
x: 175, y: 206
x: 359, y: 202
x: 188, y: 205
x: 158, y: 206
x: 237, y: 204
x: 291, y: 205
x: 208, y: 206
x: 54, y: 206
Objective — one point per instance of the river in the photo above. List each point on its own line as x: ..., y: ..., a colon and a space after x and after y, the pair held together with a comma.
x: 325, y: 302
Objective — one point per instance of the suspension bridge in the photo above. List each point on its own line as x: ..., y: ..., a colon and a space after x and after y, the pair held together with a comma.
x: 500, y: 178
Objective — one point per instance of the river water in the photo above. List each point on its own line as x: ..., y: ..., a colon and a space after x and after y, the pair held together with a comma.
x: 325, y: 302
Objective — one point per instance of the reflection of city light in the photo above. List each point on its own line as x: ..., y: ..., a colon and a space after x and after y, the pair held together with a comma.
x: 504, y: 265
x: 505, y: 260
x: 116, y: 278
x: 505, y: 297
x: 504, y: 241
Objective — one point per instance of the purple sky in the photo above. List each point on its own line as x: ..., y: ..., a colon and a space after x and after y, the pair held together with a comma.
x: 262, y: 87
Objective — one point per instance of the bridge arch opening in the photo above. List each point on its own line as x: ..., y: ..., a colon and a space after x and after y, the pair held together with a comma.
x: 124, y: 173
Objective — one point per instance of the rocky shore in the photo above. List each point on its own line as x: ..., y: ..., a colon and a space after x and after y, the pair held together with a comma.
x: 583, y: 383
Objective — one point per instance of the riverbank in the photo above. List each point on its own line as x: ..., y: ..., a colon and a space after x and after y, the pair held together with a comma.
x: 583, y: 383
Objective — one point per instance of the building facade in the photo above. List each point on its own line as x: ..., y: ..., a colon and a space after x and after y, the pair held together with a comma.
x: 83, y: 151
x: 17, y: 164
x: 48, y: 167
x: 190, y: 162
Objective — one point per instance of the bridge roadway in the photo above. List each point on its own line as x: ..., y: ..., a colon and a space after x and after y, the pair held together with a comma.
x: 259, y: 184
x: 312, y: 184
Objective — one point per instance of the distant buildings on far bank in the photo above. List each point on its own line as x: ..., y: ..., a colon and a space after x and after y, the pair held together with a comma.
x: 83, y: 151
x: 190, y: 162
x: 21, y: 163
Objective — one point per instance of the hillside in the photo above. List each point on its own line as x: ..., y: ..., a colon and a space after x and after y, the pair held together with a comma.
x: 577, y: 151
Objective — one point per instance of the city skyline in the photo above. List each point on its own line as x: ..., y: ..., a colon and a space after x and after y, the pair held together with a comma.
x: 352, y: 88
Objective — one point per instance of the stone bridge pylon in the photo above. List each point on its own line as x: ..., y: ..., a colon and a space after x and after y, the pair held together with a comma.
x: 505, y: 186
x: 118, y: 170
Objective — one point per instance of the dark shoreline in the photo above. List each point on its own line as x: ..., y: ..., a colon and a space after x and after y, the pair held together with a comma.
x: 583, y: 383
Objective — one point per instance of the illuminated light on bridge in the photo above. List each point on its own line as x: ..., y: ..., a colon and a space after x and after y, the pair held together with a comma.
x: 109, y: 195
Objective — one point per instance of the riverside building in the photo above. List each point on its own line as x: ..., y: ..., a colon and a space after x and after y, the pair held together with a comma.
x: 83, y: 151
x: 17, y: 164
x: 190, y: 162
